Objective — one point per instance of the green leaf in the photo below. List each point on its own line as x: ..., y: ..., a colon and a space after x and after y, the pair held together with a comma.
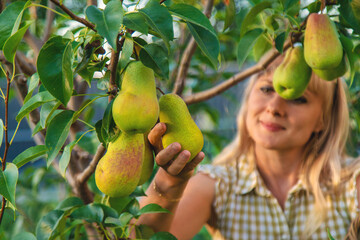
x: 99, y: 132
x: 119, y: 204
x: 1, y: 131
x: 70, y: 203
x: 24, y: 236
x: 89, y: 213
x: 47, y: 109
x: 8, y: 19
x: 261, y: 46
x: 314, y: 7
x: 245, y: 45
x: 8, y: 180
x: 160, y: 20
x: 207, y: 42
x: 54, y: 66
x: 191, y: 14
x: 13, y: 42
x: 163, y: 236
x: 65, y: 158
x: 110, y: 221
x: 349, y: 48
x: 289, y: 3
x: 252, y: 14
x: 33, y: 83
x: 108, y: 22
x: 229, y: 14
x: 107, y: 121
x: 57, y: 133
x: 126, y: 52
x: 152, y: 208
x: 33, y: 103
x: 154, y: 57
x: 48, y: 224
x: 125, y: 218
x: 136, y: 22
x: 347, y: 13
x: 279, y: 41
x: 29, y: 154
x: 108, y: 211
x: 201, y: 29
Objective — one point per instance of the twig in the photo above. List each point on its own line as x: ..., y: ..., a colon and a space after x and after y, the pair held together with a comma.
x: 50, y: 15
x: 184, y: 67
x: 86, y: 173
x: 7, y: 145
x: 187, y: 55
x: 73, y: 16
x: 212, y: 92
x: 113, y: 67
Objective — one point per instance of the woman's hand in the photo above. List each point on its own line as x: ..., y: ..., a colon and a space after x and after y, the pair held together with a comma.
x: 172, y: 160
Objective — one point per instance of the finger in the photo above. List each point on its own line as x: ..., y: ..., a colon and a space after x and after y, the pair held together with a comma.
x: 179, y: 163
x: 197, y: 159
x: 155, y: 135
x: 167, y: 154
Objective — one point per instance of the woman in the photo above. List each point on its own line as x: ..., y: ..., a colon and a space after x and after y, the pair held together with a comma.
x: 285, y: 176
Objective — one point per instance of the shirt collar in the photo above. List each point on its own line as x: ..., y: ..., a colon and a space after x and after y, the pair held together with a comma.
x: 250, y: 180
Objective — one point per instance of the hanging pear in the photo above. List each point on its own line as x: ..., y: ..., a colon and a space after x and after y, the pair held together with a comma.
x: 118, y: 171
x: 148, y: 162
x: 292, y: 76
x: 180, y: 127
x: 332, y: 73
x: 322, y: 46
x: 136, y: 107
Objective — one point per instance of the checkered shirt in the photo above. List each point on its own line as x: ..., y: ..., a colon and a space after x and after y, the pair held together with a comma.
x: 246, y: 209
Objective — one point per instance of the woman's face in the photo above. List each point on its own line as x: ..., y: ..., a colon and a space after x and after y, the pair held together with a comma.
x: 279, y: 124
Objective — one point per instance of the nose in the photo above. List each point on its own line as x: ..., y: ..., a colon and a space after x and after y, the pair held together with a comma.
x: 276, y: 106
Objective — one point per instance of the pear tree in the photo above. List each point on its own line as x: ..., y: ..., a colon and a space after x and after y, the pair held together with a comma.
x: 65, y: 63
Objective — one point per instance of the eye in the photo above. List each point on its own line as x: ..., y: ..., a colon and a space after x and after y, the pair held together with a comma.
x: 300, y: 100
x: 266, y: 89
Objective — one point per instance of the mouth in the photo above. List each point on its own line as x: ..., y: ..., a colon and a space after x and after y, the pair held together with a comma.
x: 273, y: 127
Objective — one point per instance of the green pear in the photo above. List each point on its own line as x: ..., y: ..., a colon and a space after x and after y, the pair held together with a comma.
x: 332, y: 73
x: 148, y: 162
x: 118, y: 171
x: 180, y: 127
x: 136, y: 107
x: 322, y: 46
x: 292, y: 76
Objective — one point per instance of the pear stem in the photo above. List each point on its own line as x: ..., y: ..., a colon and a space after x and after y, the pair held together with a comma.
x: 160, y: 90
x: 73, y: 16
x: 323, y: 4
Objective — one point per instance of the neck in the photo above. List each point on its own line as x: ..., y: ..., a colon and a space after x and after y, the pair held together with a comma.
x: 279, y: 170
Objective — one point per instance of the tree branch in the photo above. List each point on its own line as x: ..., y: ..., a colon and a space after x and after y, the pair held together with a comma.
x: 74, y: 16
x: 113, y: 67
x: 187, y: 55
x: 84, y: 176
x: 34, y: 43
x: 7, y: 145
x: 212, y: 92
x: 50, y: 15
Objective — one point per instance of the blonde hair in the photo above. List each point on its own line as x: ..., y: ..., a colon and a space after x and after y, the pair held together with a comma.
x: 324, y: 152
